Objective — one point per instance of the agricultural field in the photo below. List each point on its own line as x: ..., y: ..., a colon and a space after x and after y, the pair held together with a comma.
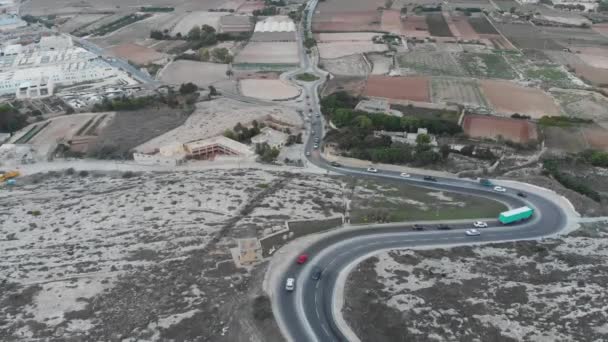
x: 596, y: 137
x: 415, y: 26
x: 391, y: 21
x: 399, y: 88
x: 422, y: 62
x: 564, y: 139
x: 457, y: 90
x: 211, y: 118
x: 202, y: 74
x: 106, y: 267
x: 437, y: 25
x: 463, y: 29
x: 551, y: 75
x: 584, y: 105
x: 138, y: 31
x: 486, y: 65
x: 138, y: 54
x: 481, y: 25
x: 393, y: 201
x: 353, y: 65
x: 486, y: 288
x: 199, y: 18
x: 526, y: 36
x: 491, y: 127
x: 347, y: 16
x: 268, y: 53
x: 345, y: 37
x: 530, y: 101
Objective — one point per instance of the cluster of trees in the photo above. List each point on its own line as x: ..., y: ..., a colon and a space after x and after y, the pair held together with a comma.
x: 267, y: 154
x: 595, y: 158
x: 10, y: 119
x: 603, y: 6
x: 551, y: 167
x: 187, y: 88
x: 122, y: 104
x: 217, y: 55
x: 244, y: 134
x: 202, y: 36
x: 266, y: 11
x: 570, y: 7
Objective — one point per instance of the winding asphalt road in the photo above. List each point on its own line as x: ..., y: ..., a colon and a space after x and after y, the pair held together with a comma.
x: 307, y: 313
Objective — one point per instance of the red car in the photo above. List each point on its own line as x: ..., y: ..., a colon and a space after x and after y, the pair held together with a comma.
x: 302, y: 259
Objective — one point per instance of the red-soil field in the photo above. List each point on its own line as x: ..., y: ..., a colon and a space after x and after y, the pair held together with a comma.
x: 136, y: 53
x: 596, y: 137
x: 462, y: 28
x: 484, y: 126
x: 391, y: 21
x: 597, y: 76
x: 414, y: 88
x: 415, y: 26
x: 347, y: 21
x: 601, y: 29
x: 509, y: 98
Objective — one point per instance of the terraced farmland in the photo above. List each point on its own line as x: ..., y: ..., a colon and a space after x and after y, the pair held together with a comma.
x: 487, y: 65
x: 429, y: 63
x: 457, y: 90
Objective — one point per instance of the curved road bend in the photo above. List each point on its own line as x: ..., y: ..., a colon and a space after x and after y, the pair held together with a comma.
x: 307, y: 313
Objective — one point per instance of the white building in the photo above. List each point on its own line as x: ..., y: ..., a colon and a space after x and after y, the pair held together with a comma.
x: 31, y: 90
x: 59, y: 67
x: 9, y: 22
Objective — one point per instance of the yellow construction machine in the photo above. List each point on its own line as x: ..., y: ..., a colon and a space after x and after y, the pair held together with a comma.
x: 8, y: 175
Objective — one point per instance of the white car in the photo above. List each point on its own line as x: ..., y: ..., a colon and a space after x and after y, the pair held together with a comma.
x: 480, y: 224
x: 499, y: 189
x: 316, y: 146
x: 290, y: 284
x: 405, y: 175
x: 372, y: 170
x: 472, y: 232
x: 307, y: 153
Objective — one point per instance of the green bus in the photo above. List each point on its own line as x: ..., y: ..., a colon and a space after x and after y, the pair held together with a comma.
x: 516, y: 215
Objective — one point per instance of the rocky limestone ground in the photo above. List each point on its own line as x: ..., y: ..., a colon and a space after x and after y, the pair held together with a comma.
x: 554, y: 290
x: 91, y: 256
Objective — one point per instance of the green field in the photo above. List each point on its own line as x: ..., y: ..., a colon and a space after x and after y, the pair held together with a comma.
x: 487, y: 65
x: 393, y: 201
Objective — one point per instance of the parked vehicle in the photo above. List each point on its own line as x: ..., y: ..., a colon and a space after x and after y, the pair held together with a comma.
x: 516, y: 215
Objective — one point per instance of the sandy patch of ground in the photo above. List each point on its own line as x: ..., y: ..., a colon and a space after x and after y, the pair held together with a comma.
x: 391, y: 21
x: 399, y: 88
x: 484, y: 126
x: 345, y: 37
x: 353, y: 65
x: 381, y: 65
x: 351, y: 84
x: 268, y: 89
x: 124, y: 256
x: 212, y: 118
x: 596, y: 137
x: 269, y: 53
x: 595, y: 57
x: 351, y: 20
x: 484, y: 291
x: 341, y: 49
x: 200, y: 73
x: 415, y: 26
x: 137, y: 54
x: 530, y: 101
x: 198, y: 18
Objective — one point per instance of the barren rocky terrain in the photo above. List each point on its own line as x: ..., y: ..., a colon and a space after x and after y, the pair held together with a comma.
x: 552, y: 290
x: 145, y: 256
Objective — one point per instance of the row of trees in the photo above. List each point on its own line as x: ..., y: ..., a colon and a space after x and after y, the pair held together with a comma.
x: 10, y: 119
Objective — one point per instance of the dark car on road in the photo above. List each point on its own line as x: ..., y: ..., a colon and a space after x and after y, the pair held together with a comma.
x: 521, y: 194
x: 335, y: 164
x: 430, y: 178
x: 417, y: 227
x: 316, y: 273
x: 443, y: 227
